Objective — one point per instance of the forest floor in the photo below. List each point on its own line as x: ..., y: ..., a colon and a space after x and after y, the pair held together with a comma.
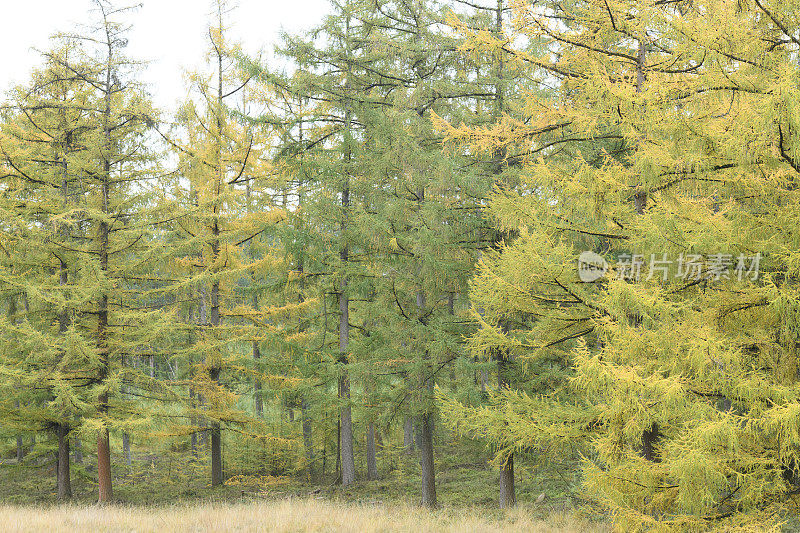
x: 172, y: 494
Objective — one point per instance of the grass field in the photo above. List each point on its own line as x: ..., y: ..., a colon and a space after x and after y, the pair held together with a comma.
x: 287, y: 515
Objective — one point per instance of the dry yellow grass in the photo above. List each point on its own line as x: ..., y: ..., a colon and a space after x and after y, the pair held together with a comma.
x: 291, y: 515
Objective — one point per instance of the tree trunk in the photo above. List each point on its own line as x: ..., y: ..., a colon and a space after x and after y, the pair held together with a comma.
x: 372, y: 465
x: 425, y: 430
x: 346, y: 434
x: 20, y: 449
x: 651, y: 436
x: 105, y: 493
x: 104, y: 489
x: 214, y: 318
x: 126, y: 448
x: 20, y: 443
x: 64, y: 487
x: 426, y: 461
x: 345, y: 417
x: 216, y: 446
x: 78, y: 444
x: 193, y: 422
x: 345, y: 414
x: 307, y: 441
x: 508, y: 496
x: 408, y: 435
x: 257, y: 382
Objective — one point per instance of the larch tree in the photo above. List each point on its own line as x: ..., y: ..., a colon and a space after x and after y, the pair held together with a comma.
x: 217, y: 240
x: 424, y: 215
x: 671, y: 151
x: 88, y: 181
x: 41, y: 141
x: 327, y: 141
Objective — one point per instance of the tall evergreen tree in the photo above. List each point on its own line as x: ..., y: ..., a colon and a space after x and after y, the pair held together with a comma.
x: 681, y: 172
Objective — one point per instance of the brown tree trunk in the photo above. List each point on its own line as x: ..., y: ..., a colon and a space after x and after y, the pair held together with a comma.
x: 105, y: 493
x: 214, y: 316
x: 508, y: 496
x: 20, y: 442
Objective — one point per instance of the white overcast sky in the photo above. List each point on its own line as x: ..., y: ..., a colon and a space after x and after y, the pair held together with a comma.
x: 172, y: 34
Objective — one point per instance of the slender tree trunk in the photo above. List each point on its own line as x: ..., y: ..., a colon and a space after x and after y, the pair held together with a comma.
x: 346, y: 421
x: 307, y: 440
x: 408, y: 435
x: 12, y: 311
x: 652, y: 435
x: 346, y: 433
x: 508, y: 496
x: 259, y: 401
x: 78, y: 444
x: 214, y: 318
x: 126, y: 448
x: 216, y: 445
x: 64, y: 484
x: 105, y: 492
x: 64, y: 487
x: 20, y: 449
x: 425, y: 430
x: 372, y: 465
x: 257, y: 382
x: 425, y: 426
